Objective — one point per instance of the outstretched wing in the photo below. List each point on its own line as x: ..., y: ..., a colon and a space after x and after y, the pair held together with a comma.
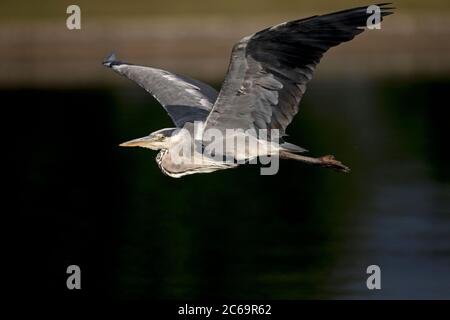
x: 184, y: 99
x: 269, y: 70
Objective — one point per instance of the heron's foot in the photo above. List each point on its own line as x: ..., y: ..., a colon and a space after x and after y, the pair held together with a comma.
x: 330, y: 162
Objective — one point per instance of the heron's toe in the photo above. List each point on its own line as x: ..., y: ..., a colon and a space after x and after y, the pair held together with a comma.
x: 329, y: 161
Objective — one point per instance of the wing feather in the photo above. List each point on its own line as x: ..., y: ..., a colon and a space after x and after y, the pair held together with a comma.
x: 270, y: 69
x: 184, y: 99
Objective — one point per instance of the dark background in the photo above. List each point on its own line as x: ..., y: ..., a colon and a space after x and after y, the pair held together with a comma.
x: 305, y: 233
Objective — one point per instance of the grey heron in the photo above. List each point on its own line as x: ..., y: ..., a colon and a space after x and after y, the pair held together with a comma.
x: 266, y: 79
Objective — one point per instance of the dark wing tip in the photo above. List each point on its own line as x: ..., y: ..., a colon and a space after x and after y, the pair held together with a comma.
x: 110, y: 60
x: 383, y: 5
x: 386, y: 8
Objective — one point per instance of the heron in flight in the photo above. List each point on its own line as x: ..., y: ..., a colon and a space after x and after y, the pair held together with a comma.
x: 266, y: 79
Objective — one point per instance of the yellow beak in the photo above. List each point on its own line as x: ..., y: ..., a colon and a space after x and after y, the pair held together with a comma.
x: 140, y: 142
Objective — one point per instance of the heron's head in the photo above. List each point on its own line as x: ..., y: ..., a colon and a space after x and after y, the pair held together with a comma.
x: 156, y: 140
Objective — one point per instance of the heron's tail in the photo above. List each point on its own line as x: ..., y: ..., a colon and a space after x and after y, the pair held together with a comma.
x: 292, y: 147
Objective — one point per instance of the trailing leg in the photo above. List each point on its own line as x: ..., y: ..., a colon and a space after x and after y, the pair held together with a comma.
x: 325, y: 161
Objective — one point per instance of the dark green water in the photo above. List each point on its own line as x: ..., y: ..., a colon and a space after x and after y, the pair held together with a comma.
x: 303, y: 233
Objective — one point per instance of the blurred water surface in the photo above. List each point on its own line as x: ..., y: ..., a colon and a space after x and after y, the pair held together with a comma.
x: 303, y: 233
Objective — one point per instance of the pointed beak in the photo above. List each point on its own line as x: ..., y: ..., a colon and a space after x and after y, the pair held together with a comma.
x: 140, y: 142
